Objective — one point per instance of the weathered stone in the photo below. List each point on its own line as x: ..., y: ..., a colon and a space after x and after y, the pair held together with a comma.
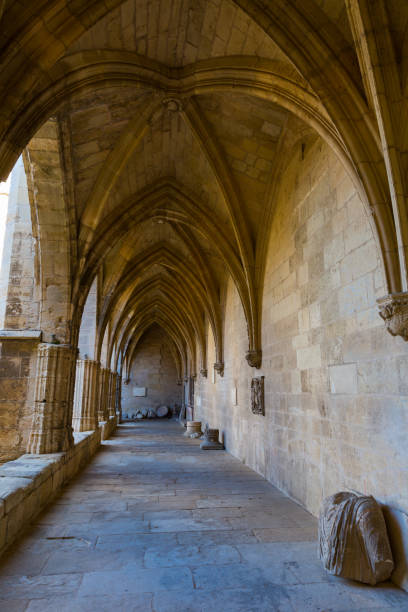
x: 103, y: 407
x: 162, y: 411
x: 193, y: 429
x: 394, y: 312
x: 86, y: 397
x: 353, y: 539
x: 211, y: 439
x: 51, y: 428
x: 258, y: 395
x: 254, y: 358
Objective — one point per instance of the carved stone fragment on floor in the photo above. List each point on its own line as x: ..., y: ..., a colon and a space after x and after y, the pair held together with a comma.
x: 193, y: 429
x: 353, y: 539
x: 162, y: 411
x: 211, y: 439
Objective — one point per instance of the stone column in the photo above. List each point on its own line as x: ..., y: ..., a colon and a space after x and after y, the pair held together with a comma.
x: 112, y: 393
x: 51, y: 430
x: 118, y: 406
x: 86, y: 395
x: 103, y: 414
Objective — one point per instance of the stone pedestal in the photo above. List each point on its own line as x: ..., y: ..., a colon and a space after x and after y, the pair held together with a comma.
x: 51, y: 430
x: 193, y: 429
x: 86, y: 395
x: 103, y: 408
x: 211, y: 440
x: 112, y: 393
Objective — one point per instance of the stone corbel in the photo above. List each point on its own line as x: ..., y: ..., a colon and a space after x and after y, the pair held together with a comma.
x: 393, y: 309
x: 254, y: 358
x: 204, y: 372
x: 219, y: 367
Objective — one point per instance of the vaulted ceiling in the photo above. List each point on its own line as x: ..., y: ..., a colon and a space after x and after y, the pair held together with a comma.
x: 175, y: 120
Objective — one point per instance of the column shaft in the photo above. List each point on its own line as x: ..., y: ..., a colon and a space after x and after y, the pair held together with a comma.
x: 86, y: 395
x: 51, y: 430
x: 103, y: 413
x: 112, y: 393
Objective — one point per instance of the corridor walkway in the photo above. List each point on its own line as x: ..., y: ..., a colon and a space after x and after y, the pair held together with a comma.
x: 156, y: 524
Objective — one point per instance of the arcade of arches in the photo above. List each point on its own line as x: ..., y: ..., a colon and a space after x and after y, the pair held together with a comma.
x: 216, y: 190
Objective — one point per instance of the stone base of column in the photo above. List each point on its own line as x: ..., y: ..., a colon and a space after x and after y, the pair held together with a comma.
x: 46, y: 438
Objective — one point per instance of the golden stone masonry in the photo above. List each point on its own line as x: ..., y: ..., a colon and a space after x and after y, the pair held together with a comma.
x: 207, y: 219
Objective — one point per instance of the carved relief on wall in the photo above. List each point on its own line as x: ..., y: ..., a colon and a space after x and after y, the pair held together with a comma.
x: 258, y: 395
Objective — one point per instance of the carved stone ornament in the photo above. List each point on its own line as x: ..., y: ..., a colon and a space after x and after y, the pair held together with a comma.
x: 394, y: 311
x: 258, y: 395
x: 204, y: 372
x: 254, y: 358
x: 353, y: 539
x: 219, y: 367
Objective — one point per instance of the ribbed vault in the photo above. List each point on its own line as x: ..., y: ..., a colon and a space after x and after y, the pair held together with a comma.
x: 173, y: 122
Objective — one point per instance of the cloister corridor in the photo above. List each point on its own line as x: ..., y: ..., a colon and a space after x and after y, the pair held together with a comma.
x: 155, y: 523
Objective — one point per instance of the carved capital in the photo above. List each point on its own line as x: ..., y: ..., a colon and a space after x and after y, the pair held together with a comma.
x: 219, y: 367
x: 204, y: 372
x: 393, y: 309
x: 254, y: 358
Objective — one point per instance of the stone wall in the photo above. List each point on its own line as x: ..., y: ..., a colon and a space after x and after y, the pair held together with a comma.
x: 335, y: 380
x: 153, y: 368
x: 18, y: 360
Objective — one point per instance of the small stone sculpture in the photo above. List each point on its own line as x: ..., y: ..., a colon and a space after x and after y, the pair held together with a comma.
x: 193, y: 429
x: 258, y: 395
x: 353, y: 540
x: 211, y: 437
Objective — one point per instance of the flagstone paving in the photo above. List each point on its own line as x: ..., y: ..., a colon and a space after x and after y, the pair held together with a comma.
x: 155, y: 524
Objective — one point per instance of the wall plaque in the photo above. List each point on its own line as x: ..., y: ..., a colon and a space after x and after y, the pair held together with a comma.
x: 258, y: 395
x: 139, y: 391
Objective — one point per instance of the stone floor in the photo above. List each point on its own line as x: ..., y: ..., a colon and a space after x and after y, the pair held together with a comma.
x: 156, y: 524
